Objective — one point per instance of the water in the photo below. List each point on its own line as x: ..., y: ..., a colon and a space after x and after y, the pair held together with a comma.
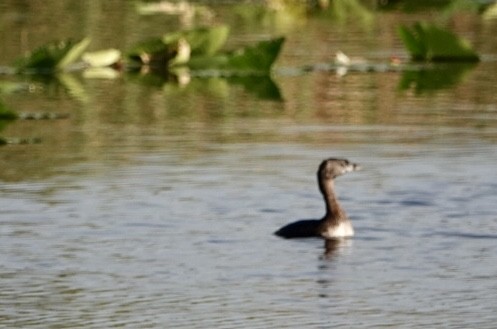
x: 155, y: 207
x: 158, y: 244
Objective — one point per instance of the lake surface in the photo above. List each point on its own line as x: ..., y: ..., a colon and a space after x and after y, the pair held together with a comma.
x: 154, y: 206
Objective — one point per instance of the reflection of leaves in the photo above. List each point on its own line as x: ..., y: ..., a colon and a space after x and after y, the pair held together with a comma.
x: 73, y: 86
x: 262, y: 87
x: 6, y: 115
x: 426, y: 42
x: 440, y: 77
x: 153, y: 78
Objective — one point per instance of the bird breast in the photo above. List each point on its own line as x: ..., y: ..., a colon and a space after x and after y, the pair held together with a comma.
x: 342, y: 230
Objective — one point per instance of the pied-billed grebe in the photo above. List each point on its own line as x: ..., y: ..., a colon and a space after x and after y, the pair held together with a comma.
x: 335, y: 223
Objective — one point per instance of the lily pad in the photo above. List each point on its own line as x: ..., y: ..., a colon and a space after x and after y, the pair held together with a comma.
x: 257, y: 58
x: 427, y: 42
x: 52, y: 57
x: 148, y: 51
x: 250, y: 60
x: 102, y: 58
x: 156, y: 53
x: 202, y: 41
x: 73, y: 54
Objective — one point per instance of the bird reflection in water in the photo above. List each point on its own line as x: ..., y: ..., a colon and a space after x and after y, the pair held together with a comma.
x: 333, y: 247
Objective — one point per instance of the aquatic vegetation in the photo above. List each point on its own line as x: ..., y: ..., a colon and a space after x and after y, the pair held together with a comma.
x: 6, y: 114
x: 427, y: 42
x: 252, y: 60
x: 200, y: 50
x: 202, y: 41
x: 102, y: 58
x: 152, y: 51
x: 174, y: 57
x: 441, y: 76
x: 343, y: 10
x: 52, y: 57
x: 196, y: 49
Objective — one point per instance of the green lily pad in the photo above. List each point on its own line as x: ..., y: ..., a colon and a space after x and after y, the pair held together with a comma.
x: 427, y: 42
x: 52, y: 57
x: 157, y: 54
x: 73, y: 54
x: 256, y: 59
x: 148, y: 51
x: 102, y: 58
x: 202, y: 41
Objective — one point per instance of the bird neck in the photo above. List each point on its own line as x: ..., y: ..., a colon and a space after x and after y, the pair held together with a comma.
x: 334, y: 211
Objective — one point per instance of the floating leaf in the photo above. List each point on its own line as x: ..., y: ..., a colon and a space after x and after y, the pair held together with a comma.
x: 73, y: 54
x: 149, y: 51
x: 202, y: 41
x: 44, y: 58
x: 177, y: 47
x: 209, y: 63
x: 430, y: 43
x: 179, y: 52
x: 155, y: 53
x: 102, y: 58
x: 412, y: 41
x: 51, y: 57
x: 258, y: 58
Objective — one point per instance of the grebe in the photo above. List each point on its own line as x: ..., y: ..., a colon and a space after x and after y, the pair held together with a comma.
x: 335, y: 223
